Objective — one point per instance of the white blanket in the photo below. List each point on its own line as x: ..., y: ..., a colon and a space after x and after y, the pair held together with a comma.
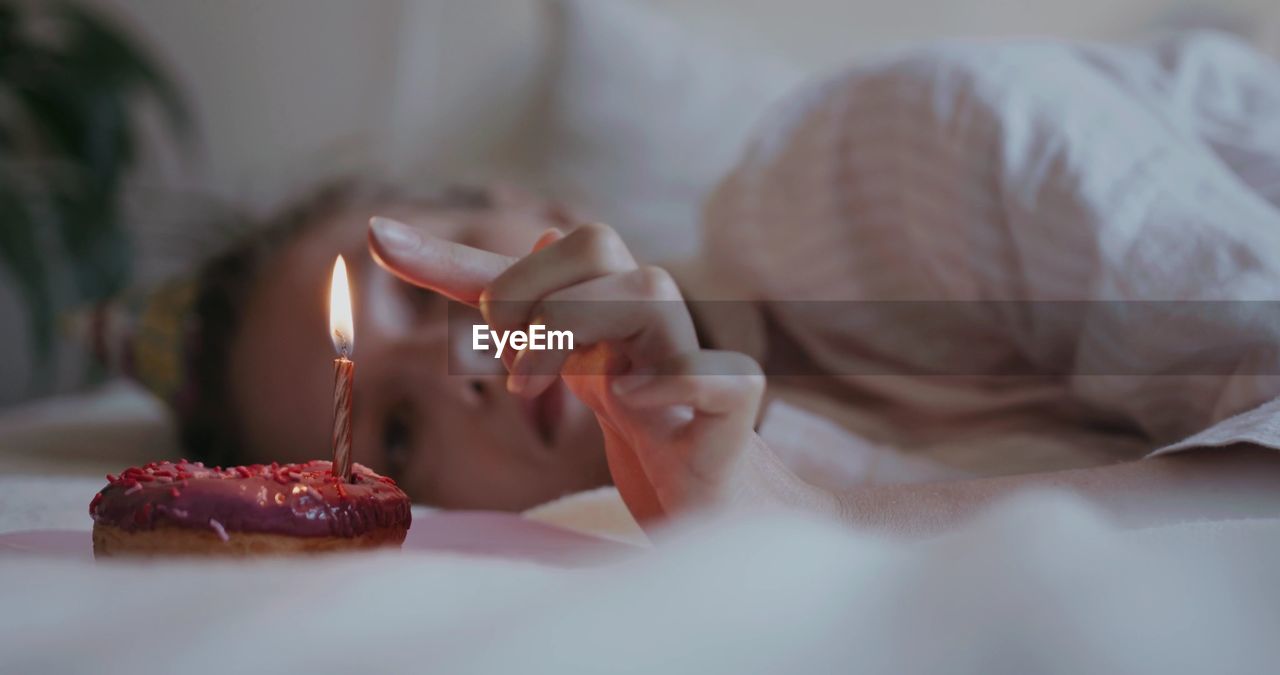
x: 1040, y: 584
x: 1101, y: 221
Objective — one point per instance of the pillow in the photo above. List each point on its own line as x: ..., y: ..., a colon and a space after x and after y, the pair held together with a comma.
x: 89, y: 433
x: 642, y: 118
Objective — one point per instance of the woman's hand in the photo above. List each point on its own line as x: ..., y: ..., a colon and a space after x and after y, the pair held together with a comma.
x: 677, y: 419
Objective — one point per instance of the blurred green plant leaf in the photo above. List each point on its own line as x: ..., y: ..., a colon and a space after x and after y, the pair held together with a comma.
x: 20, y: 252
x: 70, y: 83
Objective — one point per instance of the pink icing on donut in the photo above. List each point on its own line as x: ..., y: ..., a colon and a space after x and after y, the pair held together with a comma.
x: 302, y: 500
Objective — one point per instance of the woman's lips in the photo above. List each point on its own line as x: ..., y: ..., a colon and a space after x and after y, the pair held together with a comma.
x: 544, y: 411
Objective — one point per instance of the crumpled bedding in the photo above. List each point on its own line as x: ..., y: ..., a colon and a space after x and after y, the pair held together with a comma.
x: 1038, y: 584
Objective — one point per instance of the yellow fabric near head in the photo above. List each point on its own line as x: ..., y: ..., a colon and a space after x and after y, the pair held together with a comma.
x: 159, y: 342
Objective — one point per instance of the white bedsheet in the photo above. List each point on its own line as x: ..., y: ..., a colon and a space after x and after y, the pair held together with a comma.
x: 1040, y: 584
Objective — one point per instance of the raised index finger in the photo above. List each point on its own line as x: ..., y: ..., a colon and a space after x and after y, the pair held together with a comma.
x: 457, y: 271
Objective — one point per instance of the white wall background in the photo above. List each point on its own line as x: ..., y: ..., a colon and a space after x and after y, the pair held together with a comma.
x: 291, y: 91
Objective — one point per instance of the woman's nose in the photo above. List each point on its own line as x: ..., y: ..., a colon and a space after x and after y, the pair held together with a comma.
x: 445, y: 367
x: 464, y: 358
x: 474, y: 376
x: 475, y: 391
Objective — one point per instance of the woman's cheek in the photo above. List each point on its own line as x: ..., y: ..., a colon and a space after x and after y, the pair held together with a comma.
x: 385, y: 305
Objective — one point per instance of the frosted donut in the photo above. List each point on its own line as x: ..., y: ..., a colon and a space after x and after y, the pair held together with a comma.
x: 167, y: 508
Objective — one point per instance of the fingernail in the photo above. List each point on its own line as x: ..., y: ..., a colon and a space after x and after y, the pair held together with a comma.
x: 625, y: 384
x: 516, y: 382
x: 519, y: 360
x: 547, y: 238
x: 483, y: 305
x: 394, y: 235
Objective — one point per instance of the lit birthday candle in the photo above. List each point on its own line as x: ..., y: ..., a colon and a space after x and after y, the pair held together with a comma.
x: 342, y: 331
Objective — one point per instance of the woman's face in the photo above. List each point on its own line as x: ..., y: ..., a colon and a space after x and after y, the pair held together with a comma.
x: 451, y: 440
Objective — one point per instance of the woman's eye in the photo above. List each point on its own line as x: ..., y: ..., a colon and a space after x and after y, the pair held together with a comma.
x: 397, y: 443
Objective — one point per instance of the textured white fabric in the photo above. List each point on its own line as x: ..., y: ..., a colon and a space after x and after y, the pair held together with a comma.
x: 599, y: 512
x: 1038, y: 585
x: 1035, y: 171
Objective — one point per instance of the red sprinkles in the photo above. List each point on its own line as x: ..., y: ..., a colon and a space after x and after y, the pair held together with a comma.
x: 181, y: 472
x: 143, y: 515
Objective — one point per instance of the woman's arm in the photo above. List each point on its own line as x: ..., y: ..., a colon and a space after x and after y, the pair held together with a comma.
x: 678, y: 421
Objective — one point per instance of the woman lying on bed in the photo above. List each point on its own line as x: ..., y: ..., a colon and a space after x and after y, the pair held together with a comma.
x: 994, y: 182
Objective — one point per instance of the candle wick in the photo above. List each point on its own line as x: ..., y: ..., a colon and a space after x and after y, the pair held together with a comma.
x: 342, y: 343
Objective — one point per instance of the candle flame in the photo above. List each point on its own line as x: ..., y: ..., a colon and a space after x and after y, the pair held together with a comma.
x: 341, y: 327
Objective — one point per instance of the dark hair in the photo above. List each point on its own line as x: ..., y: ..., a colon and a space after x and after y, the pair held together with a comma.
x: 207, y: 423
